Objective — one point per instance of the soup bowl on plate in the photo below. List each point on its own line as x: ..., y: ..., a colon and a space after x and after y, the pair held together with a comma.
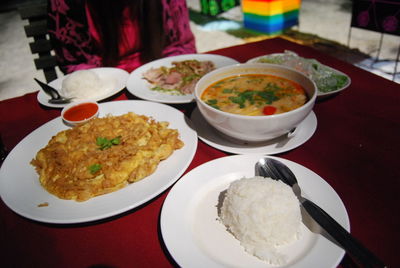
x: 255, y: 128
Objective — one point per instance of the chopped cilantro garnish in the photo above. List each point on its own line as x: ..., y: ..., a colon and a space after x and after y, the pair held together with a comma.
x: 105, y: 143
x: 238, y: 100
x: 272, y: 87
x: 218, y: 84
x: 94, y: 168
x: 251, y: 96
x: 227, y: 90
x: 267, y: 96
x: 248, y: 94
x: 213, y: 103
x: 255, y: 81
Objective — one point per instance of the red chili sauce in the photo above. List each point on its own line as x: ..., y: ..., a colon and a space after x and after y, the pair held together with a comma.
x: 81, y: 112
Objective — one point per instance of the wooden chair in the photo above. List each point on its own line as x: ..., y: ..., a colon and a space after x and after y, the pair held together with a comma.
x: 36, y: 14
x: 379, y: 17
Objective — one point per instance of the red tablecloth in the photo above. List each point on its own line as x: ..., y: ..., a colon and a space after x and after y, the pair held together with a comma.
x: 355, y: 149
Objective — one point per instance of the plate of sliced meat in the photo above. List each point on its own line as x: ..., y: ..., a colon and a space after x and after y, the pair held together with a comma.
x: 172, y: 79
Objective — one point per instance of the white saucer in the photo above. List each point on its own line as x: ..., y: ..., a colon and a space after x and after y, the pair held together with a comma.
x: 214, y: 138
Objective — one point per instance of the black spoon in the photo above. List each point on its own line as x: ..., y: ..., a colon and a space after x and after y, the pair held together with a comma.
x: 56, y: 98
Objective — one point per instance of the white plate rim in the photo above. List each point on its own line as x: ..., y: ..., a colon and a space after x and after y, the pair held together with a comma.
x: 208, y: 134
x: 21, y: 191
x: 139, y: 87
x: 120, y: 74
x: 175, y: 213
x: 320, y: 94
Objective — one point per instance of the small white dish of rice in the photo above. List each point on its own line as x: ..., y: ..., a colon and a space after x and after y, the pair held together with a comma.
x: 93, y: 84
x: 212, y: 217
x: 85, y: 84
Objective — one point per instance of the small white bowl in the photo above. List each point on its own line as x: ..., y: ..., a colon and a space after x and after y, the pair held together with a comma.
x: 79, y: 112
x: 255, y: 128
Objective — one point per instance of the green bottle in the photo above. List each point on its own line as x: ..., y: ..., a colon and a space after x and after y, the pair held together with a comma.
x: 214, y: 8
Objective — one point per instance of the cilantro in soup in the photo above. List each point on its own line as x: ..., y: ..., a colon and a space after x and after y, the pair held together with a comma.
x: 255, y: 94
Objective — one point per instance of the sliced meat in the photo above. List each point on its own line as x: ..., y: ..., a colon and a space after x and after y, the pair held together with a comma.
x: 189, y: 88
x: 173, y: 78
x: 154, y: 75
x: 182, y: 76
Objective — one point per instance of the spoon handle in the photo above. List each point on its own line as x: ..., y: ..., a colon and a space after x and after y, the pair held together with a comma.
x: 48, y: 89
x: 352, y: 246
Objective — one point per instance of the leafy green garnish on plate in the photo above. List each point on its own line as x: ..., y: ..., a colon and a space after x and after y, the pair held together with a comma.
x: 173, y: 91
x: 94, y: 168
x: 105, y: 143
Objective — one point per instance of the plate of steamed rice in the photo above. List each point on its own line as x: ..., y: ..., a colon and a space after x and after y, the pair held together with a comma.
x: 92, y: 84
x: 221, y: 215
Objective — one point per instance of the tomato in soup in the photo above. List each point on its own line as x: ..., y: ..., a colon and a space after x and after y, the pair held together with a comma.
x: 81, y: 111
x: 255, y: 94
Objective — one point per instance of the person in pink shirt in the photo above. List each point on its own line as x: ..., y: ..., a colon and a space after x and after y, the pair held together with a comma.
x: 121, y: 33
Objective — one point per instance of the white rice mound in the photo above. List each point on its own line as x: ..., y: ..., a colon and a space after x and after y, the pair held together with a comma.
x: 84, y: 84
x: 263, y: 214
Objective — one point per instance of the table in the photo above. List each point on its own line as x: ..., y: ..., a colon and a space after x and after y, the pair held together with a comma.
x: 355, y: 149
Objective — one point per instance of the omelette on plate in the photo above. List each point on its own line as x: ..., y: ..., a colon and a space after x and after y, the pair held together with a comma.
x: 104, y: 155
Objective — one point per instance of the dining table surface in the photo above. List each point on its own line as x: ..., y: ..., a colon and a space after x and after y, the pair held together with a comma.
x: 355, y: 149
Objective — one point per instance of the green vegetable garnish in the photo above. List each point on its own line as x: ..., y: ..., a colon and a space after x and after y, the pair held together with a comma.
x: 242, y: 97
x: 190, y: 78
x: 218, y: 84
x: 272, y: 87
x: 213, y: 103
x: 334, y: 82
x: 238, y: 100
x: 173, y: 91
x: 227, y: 90
x: 273, y: 60
x: 267, y: 96
x: 251, y: 96
x: 94, y: 168
x: 105, y: 143
x: 255, y: 81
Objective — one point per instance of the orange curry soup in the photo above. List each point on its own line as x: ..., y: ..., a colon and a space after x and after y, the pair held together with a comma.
x: 255, y: 94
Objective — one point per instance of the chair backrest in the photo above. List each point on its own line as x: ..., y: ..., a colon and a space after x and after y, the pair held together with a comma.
x: 36, y: 14
x: 380, y: 17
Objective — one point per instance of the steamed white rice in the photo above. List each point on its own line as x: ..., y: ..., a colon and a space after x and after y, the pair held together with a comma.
x: 84, y: 84
x: 263, y: 214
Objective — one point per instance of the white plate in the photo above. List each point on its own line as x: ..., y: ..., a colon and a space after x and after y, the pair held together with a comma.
x: 320, y: 94
x: 141, y: 88
x: 196, y: 238
x: 105, y: 73
x: 21, y: 191
x: 216, y: 139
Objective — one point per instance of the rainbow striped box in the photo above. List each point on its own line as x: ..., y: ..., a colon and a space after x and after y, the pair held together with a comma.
x: 270, y: 16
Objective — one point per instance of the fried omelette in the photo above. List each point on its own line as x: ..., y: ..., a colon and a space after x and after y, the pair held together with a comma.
x: 104, y: 155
